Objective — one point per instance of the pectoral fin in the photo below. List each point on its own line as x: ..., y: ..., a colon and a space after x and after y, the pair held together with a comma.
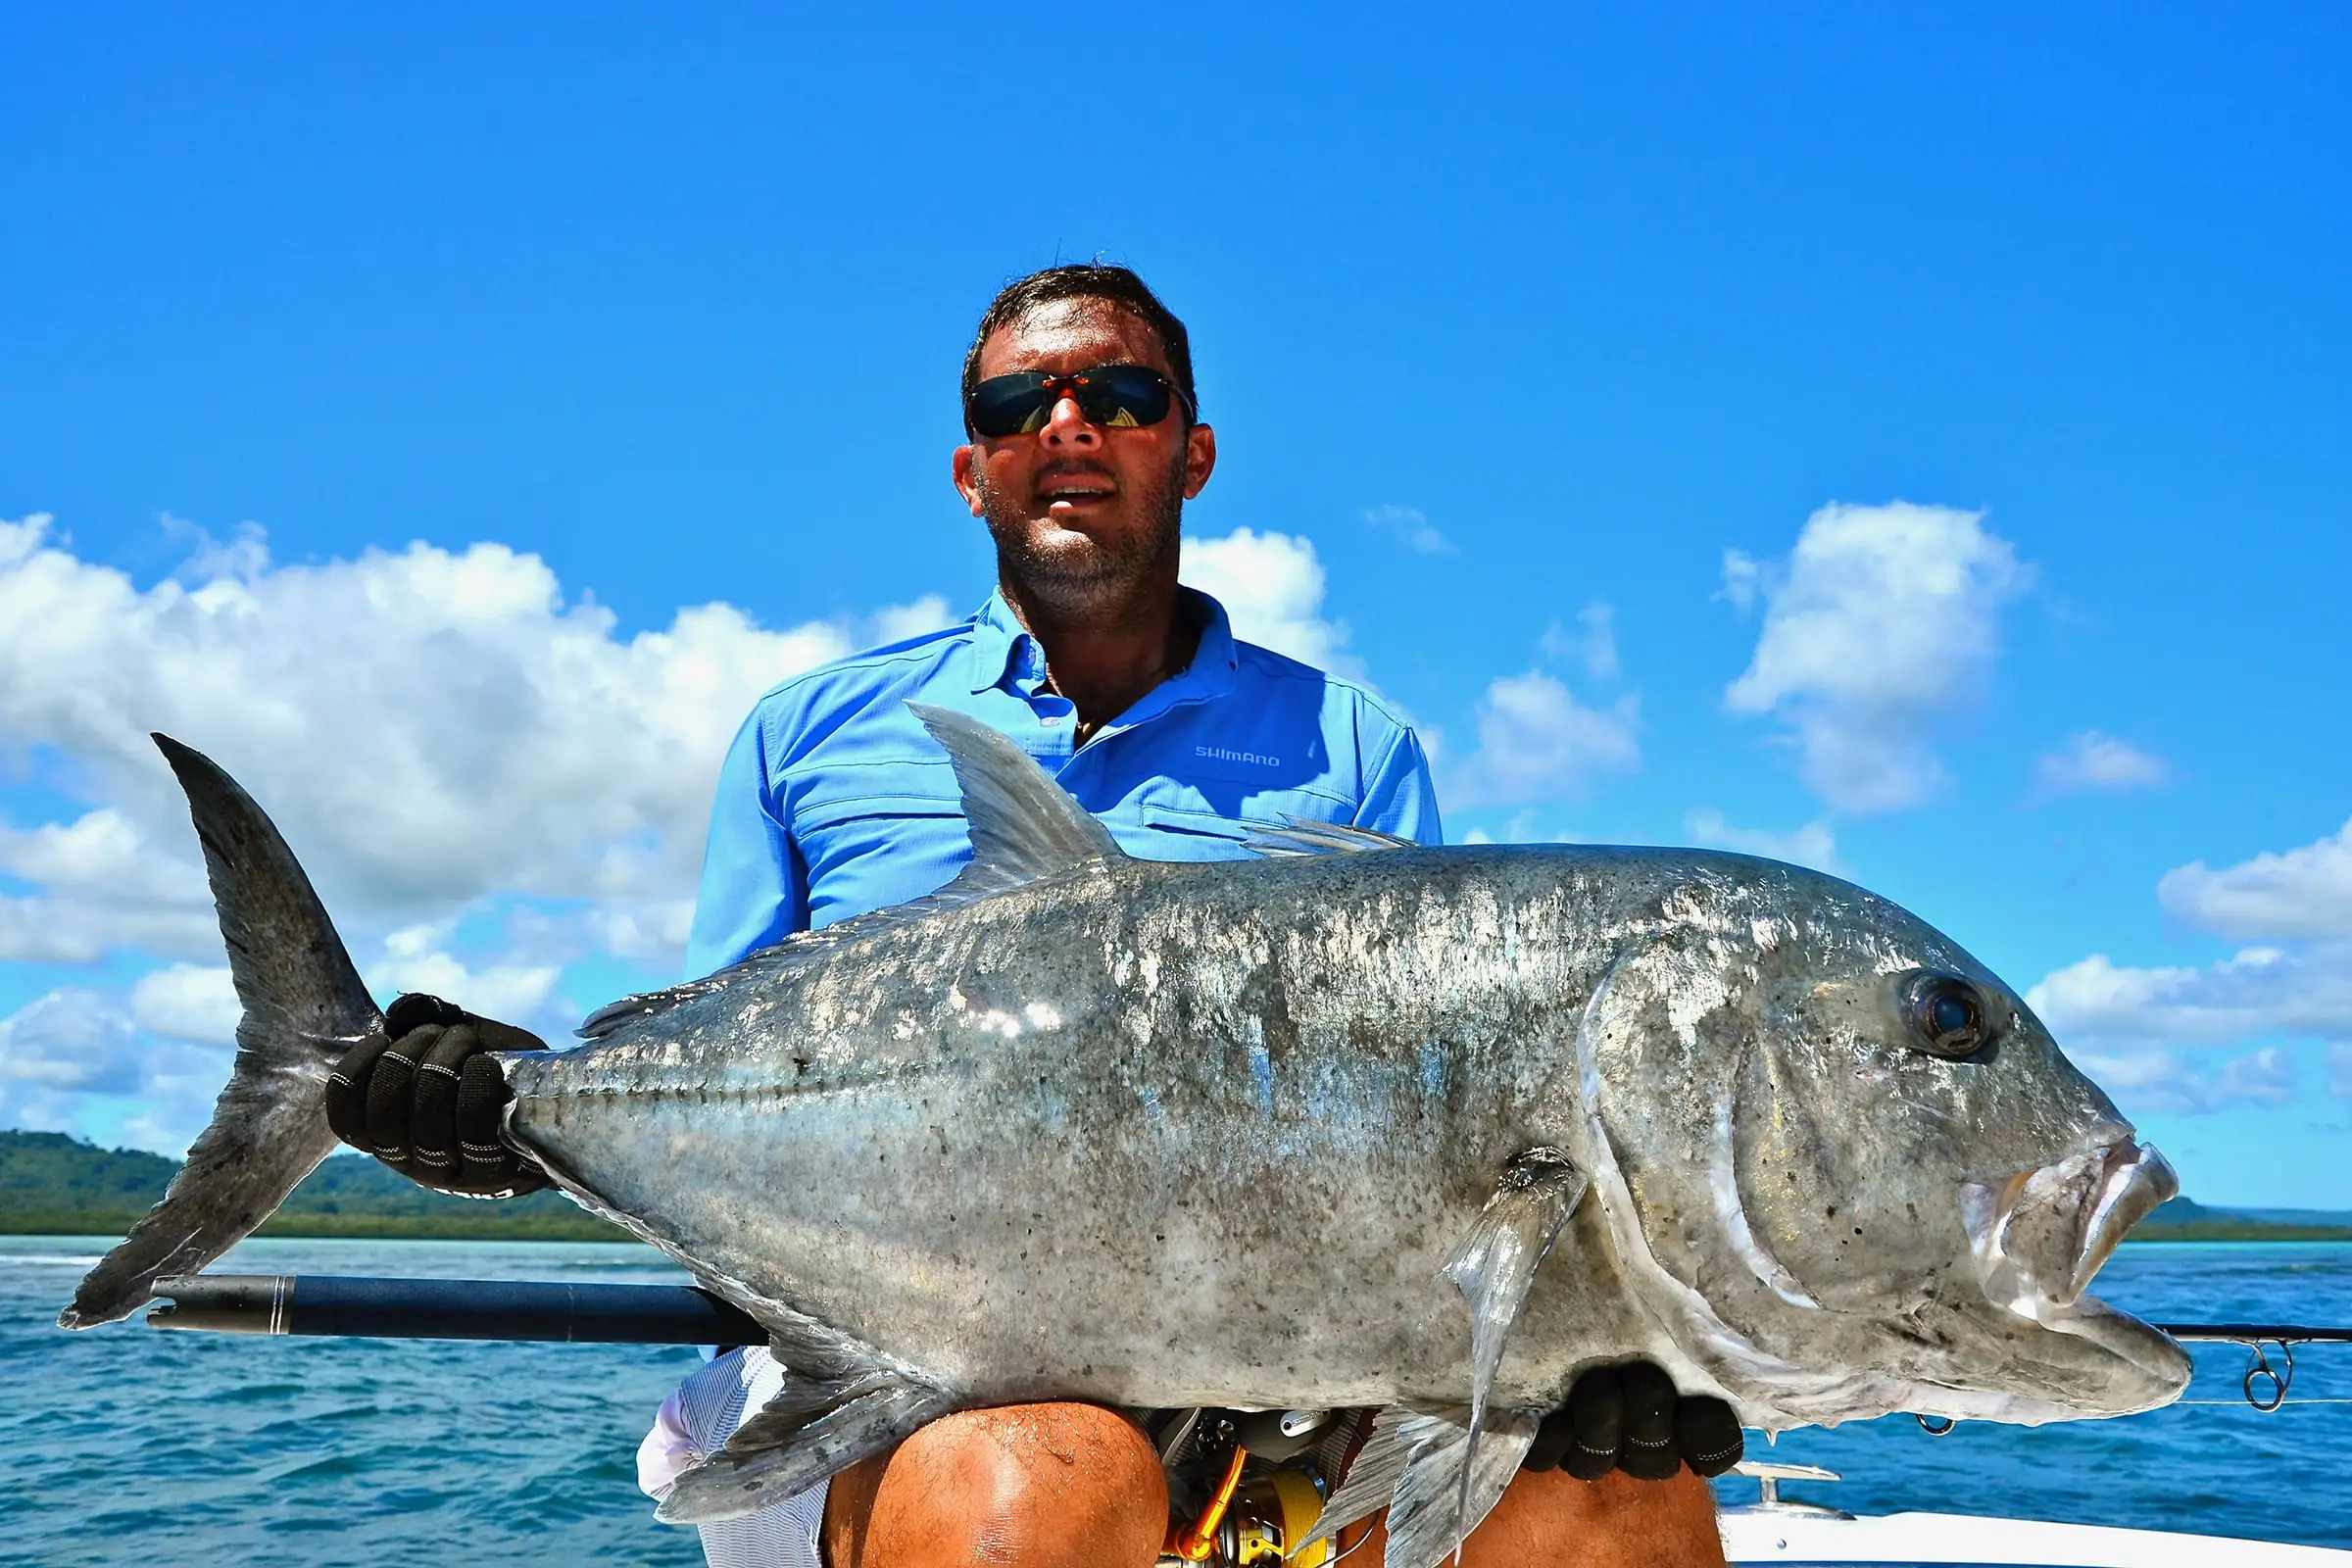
x: 1495, y: 1266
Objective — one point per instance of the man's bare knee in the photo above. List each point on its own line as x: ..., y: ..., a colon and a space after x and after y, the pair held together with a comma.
x: 1034, y: 1484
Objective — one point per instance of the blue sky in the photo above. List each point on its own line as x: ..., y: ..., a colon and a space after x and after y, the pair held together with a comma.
x: 1907, y: 438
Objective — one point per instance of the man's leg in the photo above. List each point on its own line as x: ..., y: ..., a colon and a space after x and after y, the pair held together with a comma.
x: 1552, y: 1520
x: 1046, y: 1486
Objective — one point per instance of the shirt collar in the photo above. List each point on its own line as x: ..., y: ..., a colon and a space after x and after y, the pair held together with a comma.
x: 999, y: 640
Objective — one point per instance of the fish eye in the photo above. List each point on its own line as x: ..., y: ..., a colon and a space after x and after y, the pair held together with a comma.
x: 1945, y: 1013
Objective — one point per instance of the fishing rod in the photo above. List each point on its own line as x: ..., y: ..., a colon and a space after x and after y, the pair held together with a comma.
x: 361, y: 1307
x: 364, y: 1307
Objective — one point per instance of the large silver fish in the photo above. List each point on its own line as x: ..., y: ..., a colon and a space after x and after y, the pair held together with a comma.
x: 1361, y: 1124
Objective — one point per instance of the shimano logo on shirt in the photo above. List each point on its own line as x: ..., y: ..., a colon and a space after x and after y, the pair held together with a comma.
x: 1220, y: 753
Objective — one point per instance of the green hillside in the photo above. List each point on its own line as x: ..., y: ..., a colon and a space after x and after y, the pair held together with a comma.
x: 51, y: 1184
x: 2181, y: 1220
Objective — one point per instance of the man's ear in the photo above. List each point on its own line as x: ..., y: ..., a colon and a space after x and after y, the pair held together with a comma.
x: 965, y: 460
x: 1200, y: 459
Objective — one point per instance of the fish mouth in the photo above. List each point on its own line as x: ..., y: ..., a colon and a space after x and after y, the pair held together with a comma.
x: 2039, y: 1236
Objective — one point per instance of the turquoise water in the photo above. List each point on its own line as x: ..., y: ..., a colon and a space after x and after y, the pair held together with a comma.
x: 123, y: 1445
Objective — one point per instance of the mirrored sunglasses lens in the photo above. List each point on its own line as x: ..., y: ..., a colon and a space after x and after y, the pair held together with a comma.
x: 1123, y: 396
x: 1010, y: 405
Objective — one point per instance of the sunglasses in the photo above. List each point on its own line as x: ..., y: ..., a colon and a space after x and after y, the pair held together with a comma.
x: 1112, y: 396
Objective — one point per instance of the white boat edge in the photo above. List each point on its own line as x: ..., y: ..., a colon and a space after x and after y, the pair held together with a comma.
x: 1753, y: 1534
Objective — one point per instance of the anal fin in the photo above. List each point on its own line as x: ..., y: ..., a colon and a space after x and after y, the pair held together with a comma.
x: 1419, y: 1464
x: 836, y: 1407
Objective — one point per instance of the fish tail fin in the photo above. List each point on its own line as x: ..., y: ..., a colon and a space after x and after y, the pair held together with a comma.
x: 304, y: 1007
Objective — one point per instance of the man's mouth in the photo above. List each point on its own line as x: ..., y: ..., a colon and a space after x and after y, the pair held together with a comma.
x: 1075, y: 491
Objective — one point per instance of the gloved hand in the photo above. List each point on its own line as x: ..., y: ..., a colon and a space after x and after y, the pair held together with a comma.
x: 1630, y: 1418
x: 425, y: 1097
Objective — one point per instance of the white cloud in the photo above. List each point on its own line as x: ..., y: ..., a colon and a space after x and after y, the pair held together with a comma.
x: 1592, y: 643
x: 417, y: 958
x: 2258, y: 990
x: 1271, y: 585
x: 1813, y: 844
x: 895, y: 624
x: 2144, y: 1081
x: 2303, y: 893
x: 102, y: 888
x: 1535, y: 742
x: 428, y: 727
x: 1409, y: 527
x: 195, y: 1002
x: 1881, y: 622
x: 69, y: 1039
x: 2092, y: 760
x: 2295, y: 981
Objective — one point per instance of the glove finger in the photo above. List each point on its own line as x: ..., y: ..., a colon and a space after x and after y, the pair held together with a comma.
x: 414, y: 1010
x: 1649, y: 1453
x: 1551, y: 1443
x: 389, y: 1097
x: 498, y: 1035
x: 488, y: 1164
x: 1709, y: 1435
x: 433, y: 1122
x: 347, y: 1090
x: 1596, y: 1422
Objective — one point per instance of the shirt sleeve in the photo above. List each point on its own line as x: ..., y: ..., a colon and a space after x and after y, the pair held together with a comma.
x: 755, y: 890
x: 1399, y: 796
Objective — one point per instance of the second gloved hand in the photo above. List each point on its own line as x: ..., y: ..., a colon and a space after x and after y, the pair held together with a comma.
x: 426, y: 1098
x: 1630, y: 1418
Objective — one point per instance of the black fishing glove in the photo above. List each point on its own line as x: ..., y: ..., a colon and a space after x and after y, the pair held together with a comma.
x: 1630, y: 1418
x: 425, y: 1097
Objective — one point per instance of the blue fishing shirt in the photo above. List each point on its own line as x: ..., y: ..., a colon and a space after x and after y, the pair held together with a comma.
x: 835, y: 801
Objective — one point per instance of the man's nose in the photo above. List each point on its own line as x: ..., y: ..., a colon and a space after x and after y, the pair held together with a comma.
x: 1067, y: 425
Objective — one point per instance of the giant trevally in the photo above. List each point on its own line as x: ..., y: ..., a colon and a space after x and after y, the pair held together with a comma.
x: 1362, y: 1123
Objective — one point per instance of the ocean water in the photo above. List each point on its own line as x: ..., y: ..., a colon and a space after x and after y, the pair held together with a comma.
x: 123, y: 1445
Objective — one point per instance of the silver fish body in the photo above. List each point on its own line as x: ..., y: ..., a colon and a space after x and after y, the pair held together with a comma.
x: 1363, y: 1124
x: 1165, y: 1134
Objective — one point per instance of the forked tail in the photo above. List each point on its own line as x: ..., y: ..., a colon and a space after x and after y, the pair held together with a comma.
x: 303, y: 1009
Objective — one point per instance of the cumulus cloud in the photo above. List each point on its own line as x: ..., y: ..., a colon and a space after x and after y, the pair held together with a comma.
x: 2304, y: 892
x: 2146, y: 1081
x: 427, y: 726
x: 1881, y: 624
x: 1535, y: 742
x: 2294, y: 980
x: 191, y: 1002
x: 1591, y: 643
x: 2092, y: 761
x: 1409, y: 527
x: 75, y: 1061
x: 1271, y: 584
x: 1813, y: 844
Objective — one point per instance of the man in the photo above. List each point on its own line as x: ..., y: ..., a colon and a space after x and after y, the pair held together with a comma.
x: 1083, y: 445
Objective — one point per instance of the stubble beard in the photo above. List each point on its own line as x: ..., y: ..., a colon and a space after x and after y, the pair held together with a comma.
x: 1076, y: 573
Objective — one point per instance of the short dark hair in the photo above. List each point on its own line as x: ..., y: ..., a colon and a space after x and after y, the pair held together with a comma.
x: 1118, y: 286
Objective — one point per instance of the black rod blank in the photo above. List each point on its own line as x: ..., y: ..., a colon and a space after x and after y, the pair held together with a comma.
x: 618, y: 1314
x: 451, y: 1310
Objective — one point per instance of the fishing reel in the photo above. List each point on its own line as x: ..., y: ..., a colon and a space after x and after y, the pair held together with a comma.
x: 1246, y: 1487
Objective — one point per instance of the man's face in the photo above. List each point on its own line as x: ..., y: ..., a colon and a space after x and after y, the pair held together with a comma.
x: 1080, y: 510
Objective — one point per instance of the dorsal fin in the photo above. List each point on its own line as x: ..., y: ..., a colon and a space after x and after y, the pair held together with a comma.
x: 1024, y: 826
x: 1305, y: 836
